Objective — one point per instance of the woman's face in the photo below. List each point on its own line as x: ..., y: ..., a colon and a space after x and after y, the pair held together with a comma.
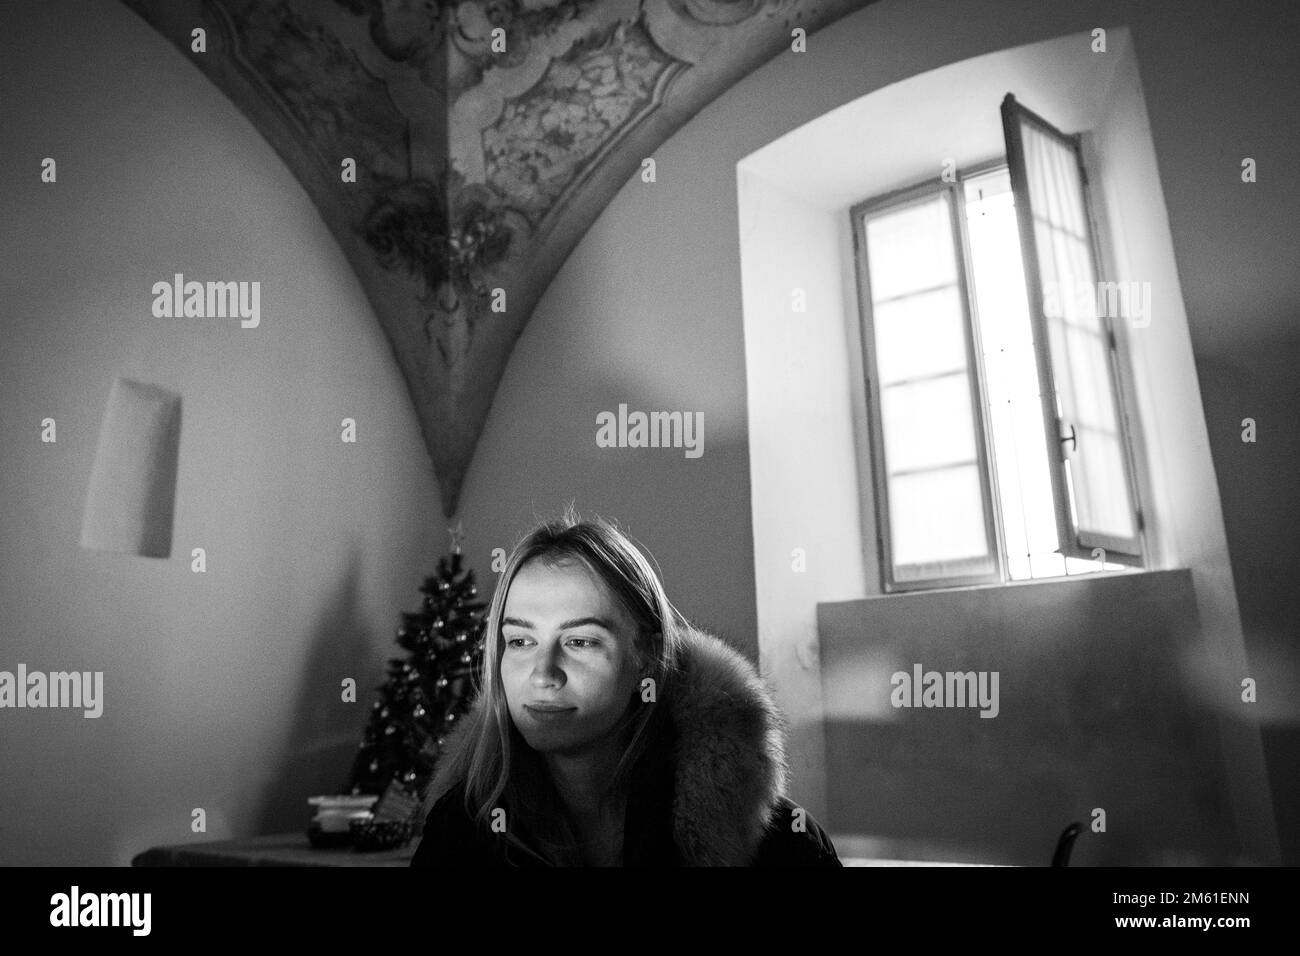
x: 568, y: 661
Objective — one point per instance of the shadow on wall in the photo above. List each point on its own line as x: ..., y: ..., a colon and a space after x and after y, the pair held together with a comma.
x: 684, y: 511
x: 1257, y: 483
x: 671, y: 509
x: 325, y: 731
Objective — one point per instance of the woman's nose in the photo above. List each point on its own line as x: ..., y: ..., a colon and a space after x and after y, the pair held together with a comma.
x: 546, y: 668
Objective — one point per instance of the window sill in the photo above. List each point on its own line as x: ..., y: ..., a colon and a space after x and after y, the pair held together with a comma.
x: 1030, y: 583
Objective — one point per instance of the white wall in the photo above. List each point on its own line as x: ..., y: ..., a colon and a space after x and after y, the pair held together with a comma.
x: 808, y: 538
x: 222, y: 690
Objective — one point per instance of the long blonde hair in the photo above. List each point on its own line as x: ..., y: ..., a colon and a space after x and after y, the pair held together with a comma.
x: 497, y: 766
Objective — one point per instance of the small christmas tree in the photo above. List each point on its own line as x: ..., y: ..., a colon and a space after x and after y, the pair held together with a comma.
x: 429, y: 690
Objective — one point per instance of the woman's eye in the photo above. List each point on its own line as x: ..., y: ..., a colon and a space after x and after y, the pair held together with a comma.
x: 581, y: 642
x: 515, y: 641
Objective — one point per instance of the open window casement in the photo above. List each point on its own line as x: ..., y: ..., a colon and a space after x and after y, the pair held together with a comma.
x: 930, y: 453
x: 1070, y: 312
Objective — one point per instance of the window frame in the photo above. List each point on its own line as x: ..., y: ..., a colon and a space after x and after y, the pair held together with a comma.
x: 1069, y: 546
x: 915, y: 194
x: 1074, y: 543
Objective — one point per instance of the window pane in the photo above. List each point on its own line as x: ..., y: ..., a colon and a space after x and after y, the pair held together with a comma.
x: 1011, y: 381
x: 920, y: 335
x: 1031, y: 466
x: 1024, y: 485
x: 934, y: 489
x: 1069, y: 290
x: 937, y: 516
x: 1094, y: 480
x: 1087, y: 358
x: 1077, y: 266
x: 928, y: 424
x: 910, y: 250
x: 1100, y: 496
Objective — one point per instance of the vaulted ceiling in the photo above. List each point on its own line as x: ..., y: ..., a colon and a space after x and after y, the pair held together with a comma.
x: 477, y: 168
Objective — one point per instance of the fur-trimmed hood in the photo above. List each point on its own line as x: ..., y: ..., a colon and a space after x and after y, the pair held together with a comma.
x: 728, y: 755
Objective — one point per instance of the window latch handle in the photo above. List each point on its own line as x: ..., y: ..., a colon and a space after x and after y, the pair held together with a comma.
x: 1073, y: 438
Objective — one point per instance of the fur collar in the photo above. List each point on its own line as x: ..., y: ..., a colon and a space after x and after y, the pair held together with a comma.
x: 729, y: 756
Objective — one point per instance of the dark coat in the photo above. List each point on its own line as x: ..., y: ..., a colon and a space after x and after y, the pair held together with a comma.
x: 709, y: 792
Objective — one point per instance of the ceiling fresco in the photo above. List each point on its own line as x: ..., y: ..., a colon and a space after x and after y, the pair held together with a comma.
x: 481, y: 157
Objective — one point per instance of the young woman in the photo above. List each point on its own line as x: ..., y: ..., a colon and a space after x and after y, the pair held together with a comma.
x: 608, y: 731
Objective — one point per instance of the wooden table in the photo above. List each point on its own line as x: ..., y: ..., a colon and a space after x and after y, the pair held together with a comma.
x: 280, y: 849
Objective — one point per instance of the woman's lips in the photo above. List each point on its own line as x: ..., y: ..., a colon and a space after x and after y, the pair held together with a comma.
x: 548, y: 711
